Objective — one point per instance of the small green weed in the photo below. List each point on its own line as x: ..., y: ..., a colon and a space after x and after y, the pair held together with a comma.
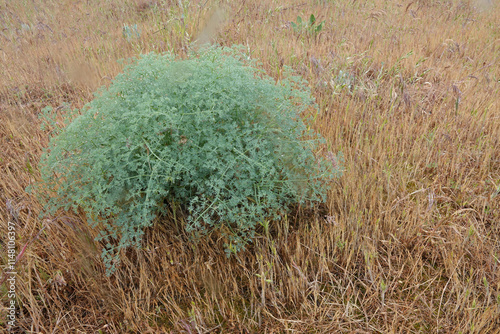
x: 343, y: 80
x: 131, y: 32
x: 310, y: 27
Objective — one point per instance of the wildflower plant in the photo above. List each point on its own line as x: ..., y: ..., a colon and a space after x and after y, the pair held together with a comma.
x: 210, y: 132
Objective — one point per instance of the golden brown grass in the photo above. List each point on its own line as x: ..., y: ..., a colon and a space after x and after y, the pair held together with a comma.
x: 409, y: 241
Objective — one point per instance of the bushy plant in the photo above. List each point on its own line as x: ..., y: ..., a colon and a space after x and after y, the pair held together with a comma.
x: 210, y: 132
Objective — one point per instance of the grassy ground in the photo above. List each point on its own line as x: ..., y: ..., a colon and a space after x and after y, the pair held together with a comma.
x: 410, y: 242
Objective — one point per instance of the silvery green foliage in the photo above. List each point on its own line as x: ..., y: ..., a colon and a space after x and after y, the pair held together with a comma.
x: 131, y: 32
x: 211, y: 132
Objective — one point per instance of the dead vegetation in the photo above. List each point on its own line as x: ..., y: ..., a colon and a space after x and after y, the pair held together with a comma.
x: 409, y: 241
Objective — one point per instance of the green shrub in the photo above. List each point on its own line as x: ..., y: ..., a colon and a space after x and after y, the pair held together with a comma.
x: 211, y: 133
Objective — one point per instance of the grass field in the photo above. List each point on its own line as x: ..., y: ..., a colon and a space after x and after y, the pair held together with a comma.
x: 409, y: 240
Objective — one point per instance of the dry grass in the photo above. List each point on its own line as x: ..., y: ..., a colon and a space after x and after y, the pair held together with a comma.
x: 411, y: 238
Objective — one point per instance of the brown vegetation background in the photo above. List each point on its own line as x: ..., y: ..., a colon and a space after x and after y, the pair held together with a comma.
x: 409, y: 241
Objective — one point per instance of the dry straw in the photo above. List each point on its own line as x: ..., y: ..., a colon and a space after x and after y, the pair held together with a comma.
x: 415, y: 247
